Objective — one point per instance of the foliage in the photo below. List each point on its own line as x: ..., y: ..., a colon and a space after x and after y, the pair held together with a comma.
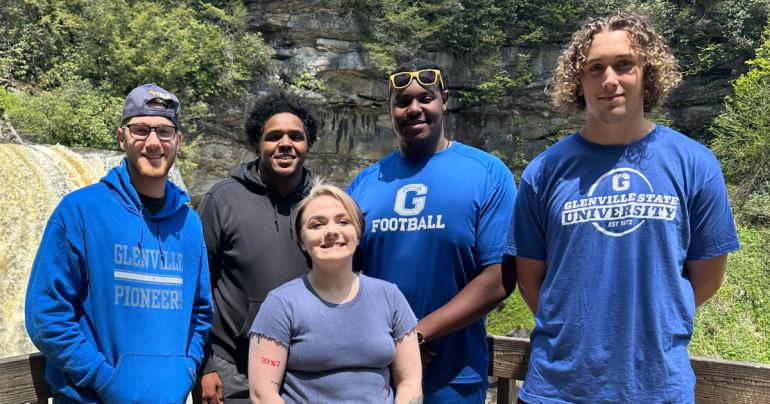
x: 307, y: 81
x: 704, y: 35
x: 74, y: 114
x: 8, y: 102
x: 82, y: 57
x: 735, y: 323
x: 502, y: 84
x: 742, y: 140
x: 754, y: 211
x: 196, y: 49
x: 185, y: 162
x: 514, y: 315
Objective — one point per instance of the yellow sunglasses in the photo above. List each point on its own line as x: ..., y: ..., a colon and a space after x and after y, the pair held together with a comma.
x: 426, y: 77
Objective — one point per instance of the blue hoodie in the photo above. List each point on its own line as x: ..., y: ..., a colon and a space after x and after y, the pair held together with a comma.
x: 119, y: 300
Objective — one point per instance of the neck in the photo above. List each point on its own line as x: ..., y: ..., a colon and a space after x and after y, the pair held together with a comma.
x: 433, y: 147
x: 280, y: 185
x: 336, y: 286
x: 152, y: 187
x: 620, y: 133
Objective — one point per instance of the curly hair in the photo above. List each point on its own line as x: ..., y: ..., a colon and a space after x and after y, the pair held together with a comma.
x: 276, y: 102
x: 661, y: 70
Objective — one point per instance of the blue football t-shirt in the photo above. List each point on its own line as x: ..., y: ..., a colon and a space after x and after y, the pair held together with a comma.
x: 614, y: 225
x: 432, y: 224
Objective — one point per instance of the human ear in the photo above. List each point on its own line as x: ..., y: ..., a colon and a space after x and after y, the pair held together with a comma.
x: 121, y: 139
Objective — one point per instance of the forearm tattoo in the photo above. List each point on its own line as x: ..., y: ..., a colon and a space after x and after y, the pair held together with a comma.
x: 269, y: 362
x: 416, y: 400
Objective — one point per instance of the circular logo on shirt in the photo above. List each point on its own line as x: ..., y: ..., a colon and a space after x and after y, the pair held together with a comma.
x: 617, y: 191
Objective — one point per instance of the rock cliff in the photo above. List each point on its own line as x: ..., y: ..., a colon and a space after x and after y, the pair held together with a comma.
x: 323, y: 39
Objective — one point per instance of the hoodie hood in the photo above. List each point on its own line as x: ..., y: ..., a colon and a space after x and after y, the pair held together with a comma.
x: 120, y: 183
x: 247, y: 174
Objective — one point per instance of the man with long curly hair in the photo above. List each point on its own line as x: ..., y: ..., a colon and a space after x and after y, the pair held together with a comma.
x: 619, y: 231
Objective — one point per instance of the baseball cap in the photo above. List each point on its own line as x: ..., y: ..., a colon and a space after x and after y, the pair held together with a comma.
x: 151, y: 100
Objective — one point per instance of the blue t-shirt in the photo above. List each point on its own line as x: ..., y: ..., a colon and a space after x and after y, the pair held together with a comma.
x: 615, y: 225
x: 432, y: 224
x: 338, y: 353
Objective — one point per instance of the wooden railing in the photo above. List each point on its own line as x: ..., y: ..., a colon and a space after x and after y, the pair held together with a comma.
x: 717, y: 381
x: 22, y: 381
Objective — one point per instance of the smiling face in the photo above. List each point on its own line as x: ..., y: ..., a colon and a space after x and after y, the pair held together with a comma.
x: 283, y: 146
x: 149, y: 159
x: 612, y: 80
x: 328, y: 232
x: 417, y: 114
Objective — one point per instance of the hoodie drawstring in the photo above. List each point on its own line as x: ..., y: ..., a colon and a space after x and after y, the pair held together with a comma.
x: 275, y: 209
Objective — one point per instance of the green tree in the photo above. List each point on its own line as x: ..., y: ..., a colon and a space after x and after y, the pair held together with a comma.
x: 742, y: 131
x: 74, y: 114
x: 200, y: 50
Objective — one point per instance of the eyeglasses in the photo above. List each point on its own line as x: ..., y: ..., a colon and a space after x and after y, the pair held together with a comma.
x: 141, y: 132
x: 426, y: 77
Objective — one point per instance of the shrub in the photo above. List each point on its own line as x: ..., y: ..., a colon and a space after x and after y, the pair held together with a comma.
x: 75, y: 114
x: 742, y: 131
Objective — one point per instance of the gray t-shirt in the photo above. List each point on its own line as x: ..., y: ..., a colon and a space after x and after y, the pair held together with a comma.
x: 338, y: 353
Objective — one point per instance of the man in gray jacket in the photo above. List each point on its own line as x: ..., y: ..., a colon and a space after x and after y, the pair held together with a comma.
x: 246, y: 224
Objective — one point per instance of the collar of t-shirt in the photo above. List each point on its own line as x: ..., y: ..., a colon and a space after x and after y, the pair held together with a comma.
x: 153, y: 205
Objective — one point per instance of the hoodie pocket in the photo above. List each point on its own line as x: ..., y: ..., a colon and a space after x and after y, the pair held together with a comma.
x: 254, y: 306
x: 149, y: 379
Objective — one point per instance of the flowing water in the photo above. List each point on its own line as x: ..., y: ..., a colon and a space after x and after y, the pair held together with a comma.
x: 33, y: 179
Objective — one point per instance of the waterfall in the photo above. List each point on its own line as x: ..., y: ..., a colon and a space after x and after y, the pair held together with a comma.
x: 33, y: 179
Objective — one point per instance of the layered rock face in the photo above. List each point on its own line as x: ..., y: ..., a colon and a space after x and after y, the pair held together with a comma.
x: 323, y: 39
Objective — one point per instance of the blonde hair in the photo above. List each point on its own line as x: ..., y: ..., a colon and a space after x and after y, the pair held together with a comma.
x: 320, y: 189
x: 661, y: 70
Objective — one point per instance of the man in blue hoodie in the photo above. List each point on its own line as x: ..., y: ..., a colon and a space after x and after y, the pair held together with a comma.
x: 118, y: 299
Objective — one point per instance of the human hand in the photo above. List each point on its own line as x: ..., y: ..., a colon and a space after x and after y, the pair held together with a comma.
x: 211, y: 388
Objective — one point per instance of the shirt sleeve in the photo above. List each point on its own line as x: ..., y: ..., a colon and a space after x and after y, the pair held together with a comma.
x: 273, y: 320
x: 495, y: 216
x: 526, y: 233
x: 712, y: 227
x: 403, y: 319
x: 202, y: 313
x: 54, y: 295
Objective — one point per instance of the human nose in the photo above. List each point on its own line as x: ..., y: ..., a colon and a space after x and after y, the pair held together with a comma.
x: 152, y: 139
x: 332, y: 230
x: 610, y: 81
x: 413, y: 108
x: 284, y: 142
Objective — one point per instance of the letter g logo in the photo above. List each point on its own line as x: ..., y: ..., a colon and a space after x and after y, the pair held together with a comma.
x: 413, y: 193
x: 621, y: 182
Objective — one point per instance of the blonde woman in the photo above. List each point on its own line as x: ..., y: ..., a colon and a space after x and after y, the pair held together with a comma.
x: 334, y: 336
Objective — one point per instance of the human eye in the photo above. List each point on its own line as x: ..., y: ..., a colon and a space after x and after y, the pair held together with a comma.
x: 427, y: 98
x: 271, y: 137
x: 139, y: 130
x: 401, y: 102
x: 595, y: 67
x: 297, y: 136
x: 166, y: 132
x: 624, y: 65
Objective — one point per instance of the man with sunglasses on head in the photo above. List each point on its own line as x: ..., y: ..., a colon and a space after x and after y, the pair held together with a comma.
x: 436, y: 214
x: 118, y: 300
x: 247, y: 226
x: 620, y: 229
